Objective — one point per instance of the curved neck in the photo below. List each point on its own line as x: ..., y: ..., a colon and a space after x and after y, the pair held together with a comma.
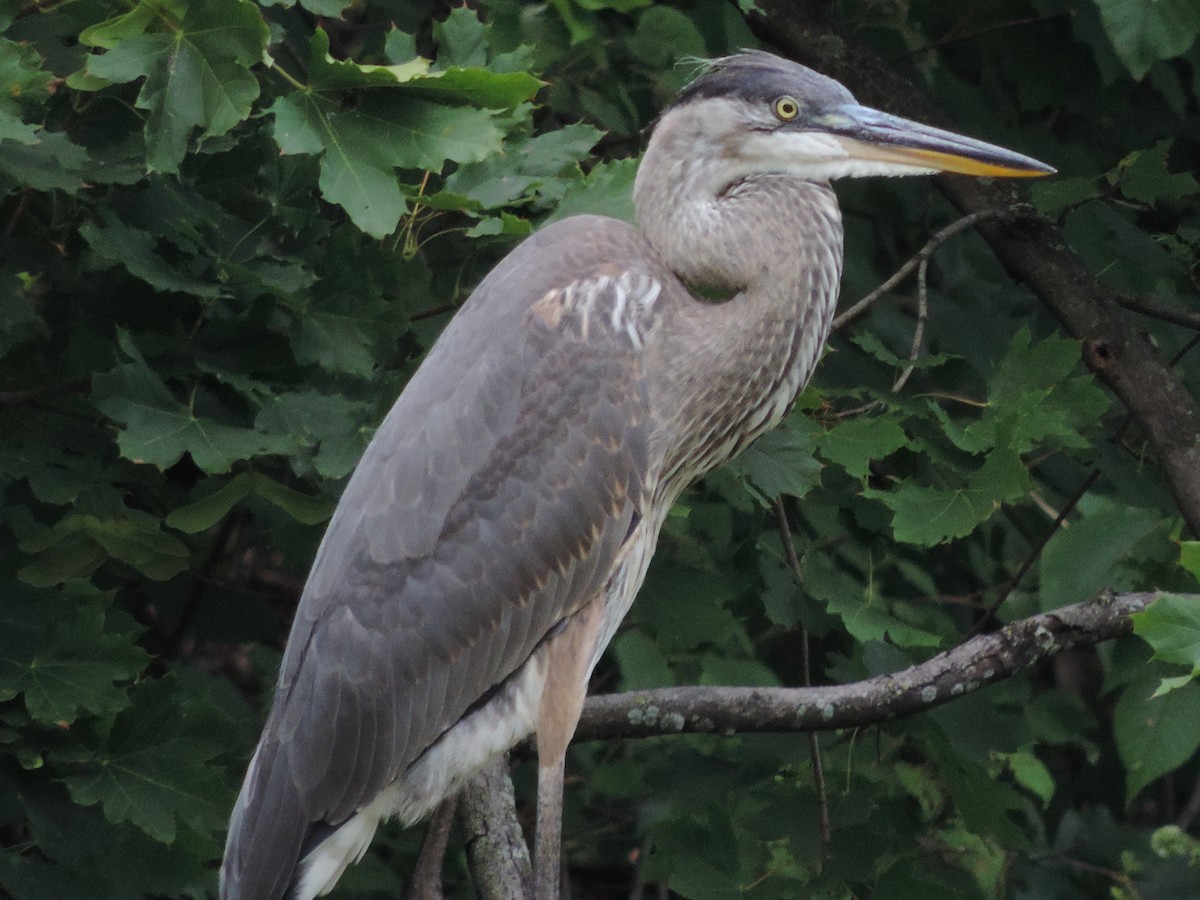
x: 723, y: 228
x: 774, y: 242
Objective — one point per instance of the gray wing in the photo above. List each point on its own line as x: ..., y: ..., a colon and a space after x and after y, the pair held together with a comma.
x: 489, y: 506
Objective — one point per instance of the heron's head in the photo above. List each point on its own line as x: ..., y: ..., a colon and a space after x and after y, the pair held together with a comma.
x: 754, y: 113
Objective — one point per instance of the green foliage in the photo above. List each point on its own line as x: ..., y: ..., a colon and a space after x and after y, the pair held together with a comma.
x: 1155, y: 732
x: 64, y: 657
x: 230, y: 230
x: 151, y: 767
x: 195, y: 59
x: 1143, y: 34
x: 1095, y: 552
x: 1171, y: 626
x: 361, y: 147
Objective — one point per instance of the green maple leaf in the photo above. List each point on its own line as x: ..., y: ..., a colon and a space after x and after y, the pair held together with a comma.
x: 388, y: 128
x: 158, y: 429
x: 62, y: 659
x: 152, y: 768
x: 196, y: 68
x: 853, y: 444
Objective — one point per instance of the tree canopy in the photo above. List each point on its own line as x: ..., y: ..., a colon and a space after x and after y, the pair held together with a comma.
x: 229, y: 231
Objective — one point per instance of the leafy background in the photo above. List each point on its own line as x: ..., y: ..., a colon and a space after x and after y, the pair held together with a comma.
x: 228, y: 232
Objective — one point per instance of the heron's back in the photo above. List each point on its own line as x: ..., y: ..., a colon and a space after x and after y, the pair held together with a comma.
x: 491, y: 503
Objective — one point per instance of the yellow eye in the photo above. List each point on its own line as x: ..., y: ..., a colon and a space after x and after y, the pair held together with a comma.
x: 787, y: 108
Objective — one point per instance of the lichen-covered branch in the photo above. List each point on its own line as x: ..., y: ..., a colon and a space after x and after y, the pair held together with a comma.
x: 979, y: 661
x: 499, y: 858
x: 496, y: 850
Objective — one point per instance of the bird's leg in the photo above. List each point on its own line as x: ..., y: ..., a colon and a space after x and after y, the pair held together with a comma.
x: 568, y: 656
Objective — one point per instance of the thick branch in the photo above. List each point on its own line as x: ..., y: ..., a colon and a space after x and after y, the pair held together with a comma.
x: 496, y: 850
x: 498, y: 857
x: 966, y: 668
x: 1034, y: 252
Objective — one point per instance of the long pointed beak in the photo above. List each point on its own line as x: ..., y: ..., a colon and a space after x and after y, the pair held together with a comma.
x: 869, y: 134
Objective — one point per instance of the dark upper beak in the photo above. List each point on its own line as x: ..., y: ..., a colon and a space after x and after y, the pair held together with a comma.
x: 869, y: 134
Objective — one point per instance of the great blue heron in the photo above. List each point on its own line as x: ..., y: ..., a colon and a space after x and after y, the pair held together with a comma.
x: 502, y: 519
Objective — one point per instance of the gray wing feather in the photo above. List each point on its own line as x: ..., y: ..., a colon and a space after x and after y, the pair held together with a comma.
x: 489, y: 506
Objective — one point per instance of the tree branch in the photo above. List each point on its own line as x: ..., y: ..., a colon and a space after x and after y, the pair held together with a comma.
x: 979, y: 661
x: 1156, y: 309
x: 497, y: 853
x: 921, y: 258
x: 496, y: 850
x: 426, y: 880
x: 1034, y: 252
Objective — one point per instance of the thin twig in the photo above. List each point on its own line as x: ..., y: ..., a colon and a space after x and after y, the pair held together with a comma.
x: 173, y: 640
x: 814, y: 746
x: 785, y: 536
x: 1155, y: 309
x: 920, y: 262
x: 1185, y: 349
x: 853, y: 412
x: 949, y: 39
x: 939, y: 238
x: 1191, y: 809
x: 1111, y: 874
x: 823, y: 820
x: 919, y: 331
x: 639, y: 878
x: 37, y: 6
x: 1034, y: 554
x: 18, y: 212
x: 433, y: 311
x: 35, y: 395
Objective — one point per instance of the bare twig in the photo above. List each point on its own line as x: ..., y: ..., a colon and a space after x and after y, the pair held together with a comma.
x: 1035, y: 553
x: 919, y: 331
x: 1191, y: 809
x: 1111, y: 874
x: 201, y: 580
x: 920, y: 262
x: 1155, y: 309
x: 433, y: 311
x: 814, y: 745
x: 947, y: 40
x: 854, y: 412
x: 922, y: 256
x: 36, y: 395
x: 980, y: 661
x: 18, y: 213
x: 789, y: 549
x: 1185, y: 350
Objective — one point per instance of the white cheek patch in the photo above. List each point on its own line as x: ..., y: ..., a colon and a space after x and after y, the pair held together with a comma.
x: 785, y: 147
x: 815, y: 156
